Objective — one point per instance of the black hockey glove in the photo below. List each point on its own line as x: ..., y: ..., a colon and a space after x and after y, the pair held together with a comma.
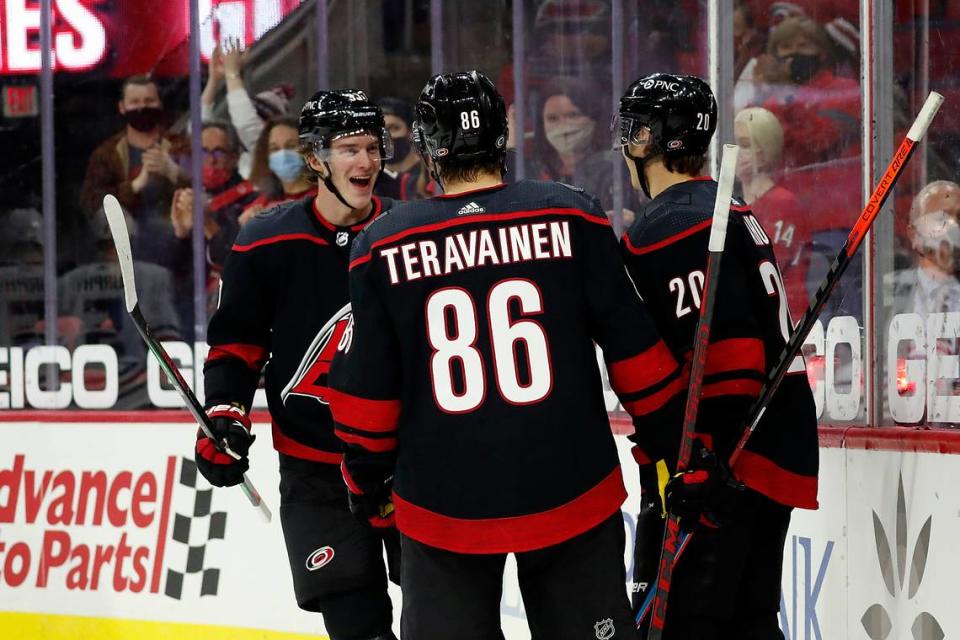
x: 375, y: 507
x: 705, y: 493
x: 650, y: 525
x: 230, y: 424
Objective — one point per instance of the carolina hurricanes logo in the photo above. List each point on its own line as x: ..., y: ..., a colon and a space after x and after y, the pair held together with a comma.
x: 319, y: 558
x: 310, y: 380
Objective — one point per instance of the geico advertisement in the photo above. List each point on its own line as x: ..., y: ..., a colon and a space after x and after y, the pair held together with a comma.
x: 114, y: 520
x: 920, y: 373
x: 93, y: 376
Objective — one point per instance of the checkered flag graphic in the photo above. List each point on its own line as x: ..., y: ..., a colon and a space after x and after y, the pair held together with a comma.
x: 205, y: 525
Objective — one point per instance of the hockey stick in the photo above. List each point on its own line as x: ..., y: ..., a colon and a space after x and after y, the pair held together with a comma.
x: 718, y: 234
x: 874, y: 204
x: 865, y: 220
x: 121, y: 240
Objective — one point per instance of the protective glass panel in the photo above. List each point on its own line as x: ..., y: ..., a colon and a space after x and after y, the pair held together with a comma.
x: 797, y: 121
x: 920, y: 314
x: 21, y: 221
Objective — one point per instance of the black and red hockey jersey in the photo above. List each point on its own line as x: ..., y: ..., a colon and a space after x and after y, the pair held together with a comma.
x: 283, y: 304
x: 470, y: 372
x: 666, y: 253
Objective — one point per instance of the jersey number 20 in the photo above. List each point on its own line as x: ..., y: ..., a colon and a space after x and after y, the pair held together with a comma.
x: 453, y: 329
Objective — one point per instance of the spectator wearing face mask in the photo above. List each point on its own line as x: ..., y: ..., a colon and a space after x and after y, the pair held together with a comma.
x: 278, y: 171
x: 930, y: 286
x: 401, y: 175
x: 139, y: 166
x: 930, y: 290
x: 759, y: 135
x: 795, y: 80
x: 571, y: 143
x: 226, y: 193
x: 398, y: 117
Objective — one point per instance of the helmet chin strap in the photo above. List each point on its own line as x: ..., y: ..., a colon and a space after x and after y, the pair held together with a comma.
x: 328, y: 181
x: 435, y: 174
x: 639, y: 164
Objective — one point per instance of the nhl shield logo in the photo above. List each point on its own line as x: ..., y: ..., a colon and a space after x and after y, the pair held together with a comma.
x: 342, y: 238
x: 604, y: 629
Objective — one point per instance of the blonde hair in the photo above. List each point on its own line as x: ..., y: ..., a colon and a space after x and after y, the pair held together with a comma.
x: 801, y: 26
x: 766, y: 133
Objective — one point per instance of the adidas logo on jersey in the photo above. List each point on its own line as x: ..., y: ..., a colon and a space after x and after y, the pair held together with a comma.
x: 470, y: 207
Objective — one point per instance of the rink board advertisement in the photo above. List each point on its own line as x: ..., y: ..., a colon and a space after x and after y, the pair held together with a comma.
x: 107, y: 530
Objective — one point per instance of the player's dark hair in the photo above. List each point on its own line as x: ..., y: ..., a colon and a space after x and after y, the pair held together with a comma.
x: 451, y: 171
x: 687, y: 165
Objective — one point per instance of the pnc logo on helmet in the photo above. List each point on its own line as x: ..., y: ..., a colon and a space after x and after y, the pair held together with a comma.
x: 319, y: 558
x: 660, y: 84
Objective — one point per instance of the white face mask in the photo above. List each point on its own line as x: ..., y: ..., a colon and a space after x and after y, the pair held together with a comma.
x: 571, y: 138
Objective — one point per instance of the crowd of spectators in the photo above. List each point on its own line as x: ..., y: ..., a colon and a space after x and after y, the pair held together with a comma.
x: 797, y: 109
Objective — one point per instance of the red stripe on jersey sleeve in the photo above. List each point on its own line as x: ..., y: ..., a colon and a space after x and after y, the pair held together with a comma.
x: 666, y: 241
x: 281, y: 238
x: 253, y: 355
x: 735, y: 354
x: 775, y: 482
x: 290, y: 447
x: 376, y: 445
x: 379, y: 416
x: 642, y: 370
x: 740, y: 387
x: 644, y: 406
x: 517, y: 533
x: 362, y: 259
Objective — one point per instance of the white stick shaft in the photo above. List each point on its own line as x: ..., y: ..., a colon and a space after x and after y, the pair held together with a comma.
x: 121, y: 240
x: 929, y: 109
x: 721, y: 208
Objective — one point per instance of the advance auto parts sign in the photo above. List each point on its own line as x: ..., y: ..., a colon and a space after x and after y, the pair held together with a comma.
x: 114, y: 521
x: 90, y: 529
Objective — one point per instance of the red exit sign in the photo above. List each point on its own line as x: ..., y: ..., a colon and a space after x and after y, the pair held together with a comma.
x: 20, y: 101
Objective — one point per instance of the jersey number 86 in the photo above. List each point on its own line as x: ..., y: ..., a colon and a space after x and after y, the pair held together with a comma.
x: 453, y: 329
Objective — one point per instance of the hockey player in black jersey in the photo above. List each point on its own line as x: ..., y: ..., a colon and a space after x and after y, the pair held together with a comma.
x: 282, y: 311
x: 726, y: 584
x: 470, y: 385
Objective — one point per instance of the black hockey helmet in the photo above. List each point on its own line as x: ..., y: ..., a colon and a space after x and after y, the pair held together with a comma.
x: 461, y: 117
x: 329, y: 115
x: 679, y: 112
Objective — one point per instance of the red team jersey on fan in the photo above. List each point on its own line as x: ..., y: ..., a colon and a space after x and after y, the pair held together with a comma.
x: 471, y: 376
x: 791, y: 229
